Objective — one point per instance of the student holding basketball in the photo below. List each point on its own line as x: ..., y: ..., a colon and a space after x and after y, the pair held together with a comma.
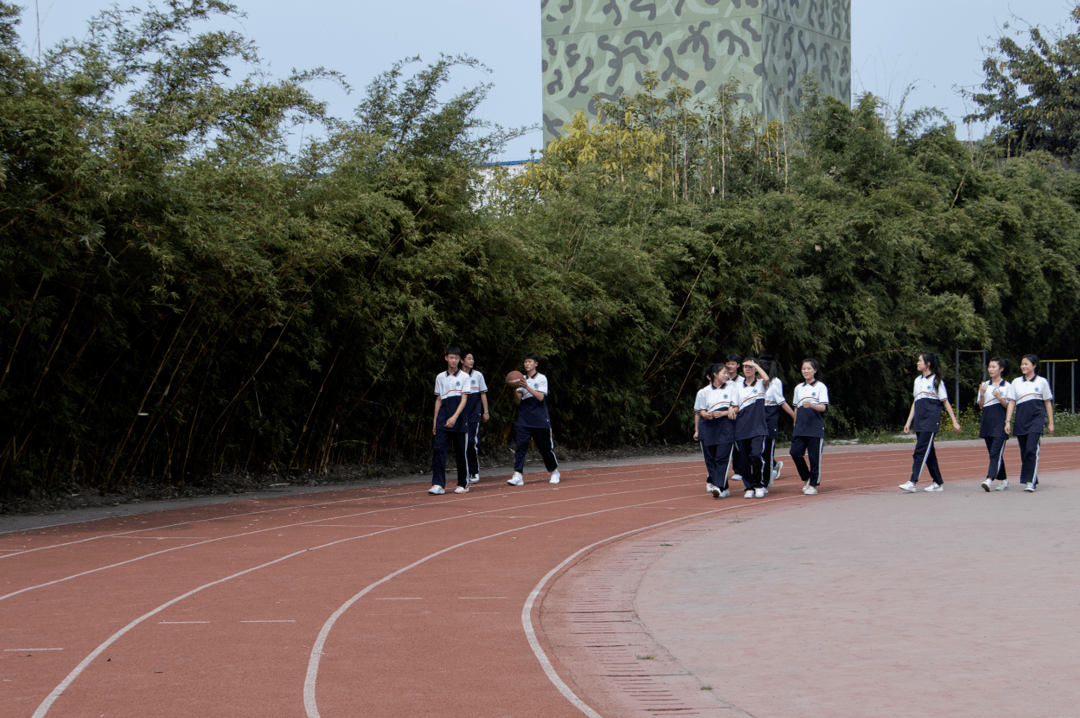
x: 476, y: 410
x: 451, y: 390
x: 994, y: 397
x: 1032, y: 404
x: 925, y: 416
x: 811, y: 399
x: 533, y: 421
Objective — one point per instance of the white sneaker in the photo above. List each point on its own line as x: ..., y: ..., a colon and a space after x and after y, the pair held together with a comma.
x: 1002, y: 486
x: 554, y: 477
x: 810, y: 490
x: 710, y: 489
x: 759, y: 492
x: 517, y: 480
x: 436, y: 490
x: 718, y: 494
x: 749, y: 494
x: 774, y: 474
x: 1029, y: 487
x: 766, y: 490
x: 461, y: 490
x: 988, y: 485
x: 935, y: 487
x: 474, y: 479
x: 736, y: 477
x: 908, y: 486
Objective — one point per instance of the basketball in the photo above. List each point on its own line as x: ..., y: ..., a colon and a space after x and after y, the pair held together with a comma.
x: 514, y: 377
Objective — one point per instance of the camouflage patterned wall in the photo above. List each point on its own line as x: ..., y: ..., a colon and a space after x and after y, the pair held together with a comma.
x: 601, y: 47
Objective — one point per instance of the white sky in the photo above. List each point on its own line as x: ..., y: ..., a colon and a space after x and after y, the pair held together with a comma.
x: 937, y: 46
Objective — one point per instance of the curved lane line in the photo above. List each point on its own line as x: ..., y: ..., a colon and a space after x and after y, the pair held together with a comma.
x: 59, y: 690
x: 526, y: 610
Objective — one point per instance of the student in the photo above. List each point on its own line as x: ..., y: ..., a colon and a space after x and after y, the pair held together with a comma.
x: 716, y: 410
x: 448, y: 426
x: 733, y: 364
x: 994, y: 397
x: 930, y: 396
x: 533, y: 421
x: 774, y: 401
x: 476, y: 409
x: 750, y: 428
x: 1032, y: 404
x: 811, y: 399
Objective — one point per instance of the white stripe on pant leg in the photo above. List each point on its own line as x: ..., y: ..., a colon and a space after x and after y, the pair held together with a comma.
x: 1035, y: 476
x: 730, y: 463
x: 551, y: 447
x: 925, y: 456
x: 820, y: 454
x: 476, y: 448
x: 1001, y: 459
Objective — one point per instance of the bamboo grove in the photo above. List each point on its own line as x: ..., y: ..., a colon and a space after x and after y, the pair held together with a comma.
x: 181, y: 295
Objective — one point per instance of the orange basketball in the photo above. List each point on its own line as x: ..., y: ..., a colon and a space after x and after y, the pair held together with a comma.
x: 514, y: 377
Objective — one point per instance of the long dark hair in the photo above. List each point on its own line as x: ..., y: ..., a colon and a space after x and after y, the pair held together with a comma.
x: 1003, y: 364
x: 770, y: 365
x: 813, y: 363
x: 932, y: 363
x: 710, y: 373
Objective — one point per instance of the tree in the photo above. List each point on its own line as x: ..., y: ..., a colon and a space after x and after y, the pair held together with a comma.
x: 1034, y: 92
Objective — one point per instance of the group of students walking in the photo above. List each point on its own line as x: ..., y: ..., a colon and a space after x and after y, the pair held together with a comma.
x: 461, y: 405
x: 736, y: 421
x: 737, y: 417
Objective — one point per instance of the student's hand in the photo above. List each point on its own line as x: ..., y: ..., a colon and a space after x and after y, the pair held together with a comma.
x: 450, y: 422
x: 956, y: 426
x: 1008, y: 429
x: 434, y: 428
x: 486, y: 417
x: 521, y: 384
x: 907, y: 428
x: 695, y: 436
x: 1051, y: 427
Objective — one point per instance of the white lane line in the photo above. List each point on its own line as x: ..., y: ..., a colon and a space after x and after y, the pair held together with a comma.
x: 158, y: 538
x: 310, y: 704
x: 402, y: 598
x: 283, y: 620
x: 483, y: 598
x: 21, y: 650
x: 186, y: 523
x: 526, y: 610
x: 317, y: 521
x: 46, y: 704
x: 179, y: 623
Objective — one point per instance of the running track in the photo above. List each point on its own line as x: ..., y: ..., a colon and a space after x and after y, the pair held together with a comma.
x: 374, y: 601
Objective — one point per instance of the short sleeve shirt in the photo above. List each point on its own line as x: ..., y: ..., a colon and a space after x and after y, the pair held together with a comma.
x: 533, y: 413
x: 993, y: 413
x: 809, y: 422
x: 774, y: 398
x: 928, y: 401
x: 474, y: 410
x: 1030, y: 409
x: 751, y: 419
x: 451, y: 388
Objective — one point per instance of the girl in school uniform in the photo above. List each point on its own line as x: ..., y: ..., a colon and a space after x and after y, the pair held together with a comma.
x: 925, y: 417
x: 774, y: 402
x: 1033, y: 403
x: 811, y: 399
x: 994, y: 397
x: 750, y: 429
x: 716, y: 408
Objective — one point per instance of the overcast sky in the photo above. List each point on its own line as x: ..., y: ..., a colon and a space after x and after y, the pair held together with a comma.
x: 935, y: 45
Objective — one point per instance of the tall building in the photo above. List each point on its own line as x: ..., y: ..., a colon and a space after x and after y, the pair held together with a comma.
x: 601, y: 47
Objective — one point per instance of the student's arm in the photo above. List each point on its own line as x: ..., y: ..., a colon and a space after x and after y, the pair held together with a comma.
x: 435, y: 419
x: 483, y: 400
x: 1008, y: 415
x: 982, y: 394
x: 1050, y: 413
x: 460, y: 406
x: 955, y: 423
x: 789, y: 410
x: 910, y: 418
x: 761, y: 373
x: 818, y: 407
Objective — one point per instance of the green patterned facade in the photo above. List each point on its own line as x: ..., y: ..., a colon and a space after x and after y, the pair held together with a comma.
x: 602, y: 47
